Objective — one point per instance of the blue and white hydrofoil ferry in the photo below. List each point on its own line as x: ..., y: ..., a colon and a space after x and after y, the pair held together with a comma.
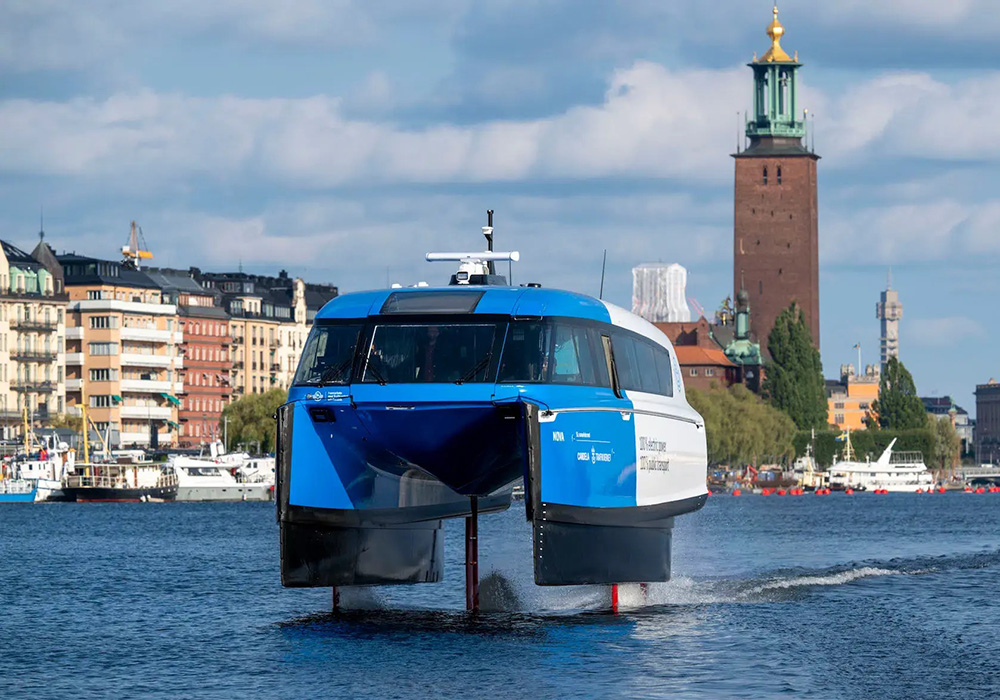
x: 412, y: 405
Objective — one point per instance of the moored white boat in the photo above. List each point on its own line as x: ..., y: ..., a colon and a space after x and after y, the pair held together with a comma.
x: 903, y: 472
x: 205, y: 480
x: 221, y: 476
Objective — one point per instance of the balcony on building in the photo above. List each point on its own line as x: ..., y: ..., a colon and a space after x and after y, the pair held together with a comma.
x: 146, y: 412
x: 33, y: 387
x: 33, y: 356
x: 149, y: 335
x: 39, y: 326
x: 142, y: 360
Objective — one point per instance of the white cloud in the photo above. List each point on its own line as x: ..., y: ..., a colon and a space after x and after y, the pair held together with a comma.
x: 944, y: 332
x: 653, y: 122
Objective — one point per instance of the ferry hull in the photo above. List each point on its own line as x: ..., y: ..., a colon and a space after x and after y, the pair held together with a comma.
x: 362, y: 491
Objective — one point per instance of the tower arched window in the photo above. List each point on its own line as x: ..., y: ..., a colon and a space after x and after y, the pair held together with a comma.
x: 765, y: 174
x: 779, y: 174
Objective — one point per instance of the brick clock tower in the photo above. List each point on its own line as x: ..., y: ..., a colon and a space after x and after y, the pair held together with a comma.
x: 775, y: 241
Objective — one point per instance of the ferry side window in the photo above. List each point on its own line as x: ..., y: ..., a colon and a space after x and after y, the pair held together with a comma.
x: 572, y: 356
x: 626, y: 361
x: 649, y: 382
x: 664, y: 371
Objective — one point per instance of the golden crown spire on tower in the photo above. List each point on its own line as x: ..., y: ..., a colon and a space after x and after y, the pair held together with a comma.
x: 775, y: 31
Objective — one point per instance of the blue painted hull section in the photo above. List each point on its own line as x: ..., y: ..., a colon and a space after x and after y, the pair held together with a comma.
x: 28, y: 497
x: 431, y: 456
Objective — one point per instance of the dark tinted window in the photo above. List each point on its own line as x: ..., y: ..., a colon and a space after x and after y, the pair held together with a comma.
x: 642, y: 364
x: 553, y: 352
x: 424, y: 353
x: 328, y: 355
x: 462, y: 302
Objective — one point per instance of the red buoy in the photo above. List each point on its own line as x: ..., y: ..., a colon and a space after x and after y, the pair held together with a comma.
x: 849, y: 492
x: 736, y: 492
x: 781, y: 492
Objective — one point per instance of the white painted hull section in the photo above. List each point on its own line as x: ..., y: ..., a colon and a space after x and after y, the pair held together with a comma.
x: 236, y: 492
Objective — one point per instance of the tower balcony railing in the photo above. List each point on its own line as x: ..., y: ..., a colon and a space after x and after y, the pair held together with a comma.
x: 24, y: 324
x: 782, y: 128
x: 33, y: 356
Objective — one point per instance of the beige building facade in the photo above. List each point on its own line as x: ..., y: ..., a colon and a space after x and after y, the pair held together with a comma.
x: 122, y: 355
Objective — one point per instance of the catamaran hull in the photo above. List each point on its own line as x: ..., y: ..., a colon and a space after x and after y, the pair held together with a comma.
x: 353, y: 511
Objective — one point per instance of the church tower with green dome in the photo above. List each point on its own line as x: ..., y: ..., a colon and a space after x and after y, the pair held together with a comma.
x: 776, y: 212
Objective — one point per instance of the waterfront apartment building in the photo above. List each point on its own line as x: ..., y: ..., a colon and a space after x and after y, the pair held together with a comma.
x: 269, y: 321
x: 849, y: 400
x: 32, y: 323
x: 122, y: 352
x: 206, y: 345
x: 987, y: 430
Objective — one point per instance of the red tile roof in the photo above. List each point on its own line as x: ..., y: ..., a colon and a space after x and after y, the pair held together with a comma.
x: 693, y: 355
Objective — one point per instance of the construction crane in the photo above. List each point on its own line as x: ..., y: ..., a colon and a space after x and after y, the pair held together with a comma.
x: 131, y: 252
x: 698, y: 309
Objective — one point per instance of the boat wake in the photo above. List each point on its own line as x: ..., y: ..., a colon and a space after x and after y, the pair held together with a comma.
x: 503, y: 593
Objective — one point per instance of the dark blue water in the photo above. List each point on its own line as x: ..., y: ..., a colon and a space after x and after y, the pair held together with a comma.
x: 819, y: 597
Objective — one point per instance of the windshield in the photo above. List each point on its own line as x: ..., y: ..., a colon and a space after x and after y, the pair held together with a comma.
x: 423, y: 353
x: 328, y: 355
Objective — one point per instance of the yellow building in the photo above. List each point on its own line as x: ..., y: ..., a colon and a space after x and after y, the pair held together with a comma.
x: 849, y: 400
x: 32, y: 320
x: 122, y: 345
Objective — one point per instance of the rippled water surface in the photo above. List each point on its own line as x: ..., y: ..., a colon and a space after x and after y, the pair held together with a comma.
x: 825, y: 597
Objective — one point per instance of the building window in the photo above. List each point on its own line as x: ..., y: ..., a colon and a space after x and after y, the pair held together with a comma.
x: 779, y: 174
x: 765, y: 174
x: 103, y: 348
x: 839, y: 404
x: 104, y: 375
x: 100, y: 401
x: 693, y: 372
x: 709, y: 372
x: 863, y: 406
x: 104, y: 322
x: 839, y: 419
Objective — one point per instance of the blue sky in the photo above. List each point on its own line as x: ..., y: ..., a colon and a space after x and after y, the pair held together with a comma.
x: 342, y: 139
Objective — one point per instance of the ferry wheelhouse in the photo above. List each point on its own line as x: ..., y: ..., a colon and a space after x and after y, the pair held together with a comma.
x: 414, y: 405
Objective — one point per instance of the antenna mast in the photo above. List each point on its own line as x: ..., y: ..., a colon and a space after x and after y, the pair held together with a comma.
x: 488, y: 232
x: 604, y: 265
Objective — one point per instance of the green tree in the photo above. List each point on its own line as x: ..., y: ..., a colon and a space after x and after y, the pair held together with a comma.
x: 946, y: 445
x: 65, y: 420
x: 898, y: 407
x: 740, y: 428
x: 793, y: 382
x: 251, y: 419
